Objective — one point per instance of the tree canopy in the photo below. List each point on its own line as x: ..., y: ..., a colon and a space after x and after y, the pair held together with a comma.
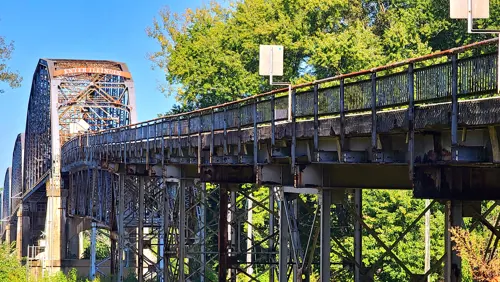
x: 210, y: 54
x: 6, y: 74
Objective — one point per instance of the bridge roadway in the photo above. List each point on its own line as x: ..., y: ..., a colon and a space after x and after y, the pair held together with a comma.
x: 428, y: 124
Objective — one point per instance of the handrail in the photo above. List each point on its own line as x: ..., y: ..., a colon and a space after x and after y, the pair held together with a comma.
x: 341, y: 77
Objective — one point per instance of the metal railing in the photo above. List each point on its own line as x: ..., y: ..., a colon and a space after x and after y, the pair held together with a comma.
x: 372, y: 90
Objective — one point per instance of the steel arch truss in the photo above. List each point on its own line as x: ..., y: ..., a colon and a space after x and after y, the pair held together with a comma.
x: 17, y: 170
x: 38, y: 137
x: 101, y: 100
x: 6, y: 213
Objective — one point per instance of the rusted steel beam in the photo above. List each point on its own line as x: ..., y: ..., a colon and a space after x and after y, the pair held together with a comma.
x: 223, y: 255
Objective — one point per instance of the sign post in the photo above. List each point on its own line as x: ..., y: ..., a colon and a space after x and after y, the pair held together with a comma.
x: 475, y: 9
x: 271, y: 63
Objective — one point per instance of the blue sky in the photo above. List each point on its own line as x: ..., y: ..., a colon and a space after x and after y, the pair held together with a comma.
x: 80, y: 29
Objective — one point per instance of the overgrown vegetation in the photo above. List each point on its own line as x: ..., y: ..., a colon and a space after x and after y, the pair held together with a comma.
x: 11, y: 270
x: 474, y: 249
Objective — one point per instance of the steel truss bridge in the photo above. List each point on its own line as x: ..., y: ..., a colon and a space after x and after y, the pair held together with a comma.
x: 176, y: 196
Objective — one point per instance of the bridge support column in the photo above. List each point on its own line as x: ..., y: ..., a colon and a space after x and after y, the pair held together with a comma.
x: 182, y: 230
x: 7, y: 233
x: 121, y: 227
x: 295, y: 237
x: 249, y: 259
x: 203, y: 257
x: 358, y: 236
x: 453, y: 263
x: 23, y: 230
x: 93, y: 251
x: 326, y: 203
x: 284, y: 237
x: 74, y: 238
x: 271, y: 232
x: 233, y: 231
x: 223, y: 258
x: 166, y: 227
x: 55, y: 225
x: 118, y: 244
x: 140, y: 232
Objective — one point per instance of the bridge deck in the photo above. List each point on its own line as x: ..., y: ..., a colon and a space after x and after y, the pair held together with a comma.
x: 407, y: 120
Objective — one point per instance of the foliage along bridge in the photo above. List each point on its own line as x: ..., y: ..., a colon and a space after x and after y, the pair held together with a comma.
x: 173, y: 194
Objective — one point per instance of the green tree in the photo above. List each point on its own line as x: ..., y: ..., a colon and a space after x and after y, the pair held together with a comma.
x: 210, y: 54
x: 102, y: 245
x: 7, y: 75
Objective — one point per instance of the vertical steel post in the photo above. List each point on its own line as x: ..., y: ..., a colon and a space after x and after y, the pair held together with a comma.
x: 239, y: 129
x: 249, y: 262
x: 271, y: 234
x: 200, y: 129
x: 223, y: 201
x: 95, y: 177
x: 255, y: 136
x: 454, y: 101
x: 182, y: 228
x: 358, y: 236
x: 113, y: 218
x: 290, y: 103
x: 447, y: 242
x: 232, y: 233
x: 283, y: 240
x: 93, y: 244
x: 273, y: 118
x: 374, y: 114
x: 411, y: 117
x: 140, y: 232
x: 326, y: 202
x: 225, y: 149
x: 212, y: 144
x: 294, y: 236
x: 179, y: 131
x: 427, y: 239
x: 203, y: 232
x: 161, y: 251
x: 453, y: 265
x: 166, y: 226
x: 121, y: 229
x: 316, y: 124
x: 170, y: 140
x: 294, y: 132
x: 342, y: 120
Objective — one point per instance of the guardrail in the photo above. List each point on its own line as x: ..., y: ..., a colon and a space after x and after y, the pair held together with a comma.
x: 369, y: 90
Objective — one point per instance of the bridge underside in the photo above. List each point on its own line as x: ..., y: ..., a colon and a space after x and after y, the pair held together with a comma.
x: 160, y: 174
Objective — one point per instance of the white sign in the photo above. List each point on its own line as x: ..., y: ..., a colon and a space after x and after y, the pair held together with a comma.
x: 79, y: 126
x: 271, y: 60
x: 459, y: 9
